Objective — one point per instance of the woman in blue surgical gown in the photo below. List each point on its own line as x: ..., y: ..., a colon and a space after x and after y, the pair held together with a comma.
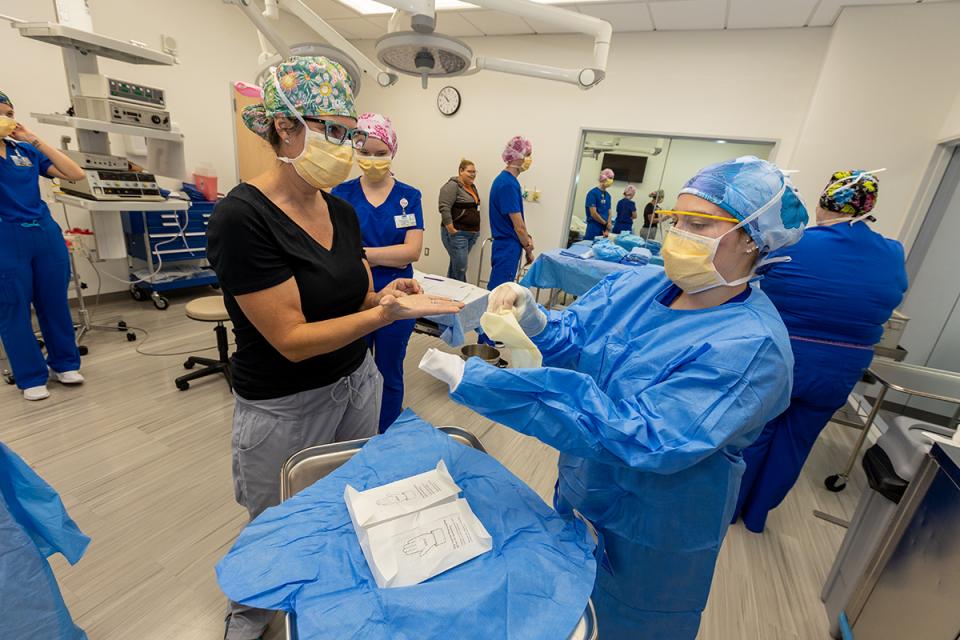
x: 652, y: 384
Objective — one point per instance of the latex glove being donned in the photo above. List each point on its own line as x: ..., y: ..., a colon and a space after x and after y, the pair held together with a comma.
x: 445, y: 367
x: 511, y: 296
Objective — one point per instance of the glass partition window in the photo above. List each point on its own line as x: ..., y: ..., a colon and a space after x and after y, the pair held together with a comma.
x: 649, y: 163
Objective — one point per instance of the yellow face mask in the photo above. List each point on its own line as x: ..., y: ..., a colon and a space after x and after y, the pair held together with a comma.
x: 608, y: 183
x: 322, y: 164
x: 375, y: 168
x: 688, y: 260
x: 7, y: 125
x: 526, y: 163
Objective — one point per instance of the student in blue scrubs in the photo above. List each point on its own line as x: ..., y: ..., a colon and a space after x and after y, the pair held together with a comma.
x: 841, y: 285
x: 598, y: 205
x: 391, y: 220
x: 510, y: 236
x: 34, y: 263
x: 626, y: 210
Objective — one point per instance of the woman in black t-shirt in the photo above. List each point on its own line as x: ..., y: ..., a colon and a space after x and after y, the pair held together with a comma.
x: 298, y: 289
x: 650, y: 218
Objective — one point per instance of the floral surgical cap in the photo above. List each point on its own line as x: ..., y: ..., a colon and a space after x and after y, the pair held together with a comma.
x: 744, y: 186
x: 517, y: 149
x: 851, y: 192
x: 606, y: 174
x: 315, y: 86
x: 379, y: 127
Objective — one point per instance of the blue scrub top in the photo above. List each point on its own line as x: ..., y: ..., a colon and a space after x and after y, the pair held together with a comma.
x: 379, y: 225
x: 842, y: 283
x: 625, y: 209
x: 20, y: 199
x: 506, y: 197
x: 600, y: 199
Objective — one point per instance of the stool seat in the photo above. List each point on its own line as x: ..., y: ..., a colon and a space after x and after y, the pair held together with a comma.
x: 207, y: 309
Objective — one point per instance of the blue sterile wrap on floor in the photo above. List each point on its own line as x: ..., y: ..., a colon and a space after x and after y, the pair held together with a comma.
x: 33, y: 526
x: 576, y: 276
x: 303, y: 555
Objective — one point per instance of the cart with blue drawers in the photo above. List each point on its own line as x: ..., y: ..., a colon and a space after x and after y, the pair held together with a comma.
x: 166, y: 237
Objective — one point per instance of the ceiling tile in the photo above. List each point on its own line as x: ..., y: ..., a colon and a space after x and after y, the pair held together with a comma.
x: 328, y: 9
x: 828, y: 11
x: 453, y: 24
x: 759, y: 14
x: 689, y: 14
x: 543, y: 27
x: 624, y: 16
x: 494, y: 23
x: 358, y: 28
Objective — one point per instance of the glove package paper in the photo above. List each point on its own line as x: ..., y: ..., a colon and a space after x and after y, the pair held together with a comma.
x: 400, y: 498
x: 415, y: 528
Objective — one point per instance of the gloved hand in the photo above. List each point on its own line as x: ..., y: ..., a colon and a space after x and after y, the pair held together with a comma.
x: 445, y: 367
x: 512, y: 297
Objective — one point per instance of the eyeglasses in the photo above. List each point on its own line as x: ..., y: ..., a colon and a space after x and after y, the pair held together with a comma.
x: 336, y: 133
x: 671, y: 215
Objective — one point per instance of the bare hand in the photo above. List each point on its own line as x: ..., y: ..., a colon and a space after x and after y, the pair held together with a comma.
x: 22, y: 134
x: 401, y: 287
x: 452, y: 230
x: 408, y: 307
x: 529, y: 256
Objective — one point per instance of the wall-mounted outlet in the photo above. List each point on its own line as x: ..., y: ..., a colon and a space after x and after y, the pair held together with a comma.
x: 426, y: 251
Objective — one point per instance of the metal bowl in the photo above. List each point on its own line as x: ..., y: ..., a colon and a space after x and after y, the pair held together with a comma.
x: 483, y: 351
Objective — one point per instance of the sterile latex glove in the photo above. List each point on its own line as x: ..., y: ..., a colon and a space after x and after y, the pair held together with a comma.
x: 511, y: 296
x: 445, y: 367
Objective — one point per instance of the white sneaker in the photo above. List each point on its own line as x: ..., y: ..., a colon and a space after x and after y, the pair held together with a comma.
x: 36, y: 393
x: 67, y: 377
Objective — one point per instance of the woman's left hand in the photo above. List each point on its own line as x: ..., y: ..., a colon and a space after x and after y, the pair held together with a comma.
x: 401, y: 287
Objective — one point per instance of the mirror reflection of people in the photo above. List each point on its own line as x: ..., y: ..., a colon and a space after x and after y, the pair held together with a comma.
x: 459, y: 203
x: 510, y: 236
x: 34, y: 262
x: 841, y: 285
x: 650, y: 218
x: 598, y: 204
x: 653, y: 382
x: 626, y: 210
x: 391, y: 222
x: 299, y: 292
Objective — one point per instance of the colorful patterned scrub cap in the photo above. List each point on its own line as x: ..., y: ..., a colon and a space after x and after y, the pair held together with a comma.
x: 746, y: 186
x: 379, y: 127
x: 517, y: 149
x: 853, y: 193
x: 315, y: 86
x: 606, y: 174
x: 4, y: 99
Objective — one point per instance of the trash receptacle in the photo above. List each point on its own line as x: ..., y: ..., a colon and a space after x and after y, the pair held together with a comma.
x: 889, y: 465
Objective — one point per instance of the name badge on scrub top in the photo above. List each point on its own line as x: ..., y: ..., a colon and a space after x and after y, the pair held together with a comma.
x: 404, y: 220
x: 21, y: 161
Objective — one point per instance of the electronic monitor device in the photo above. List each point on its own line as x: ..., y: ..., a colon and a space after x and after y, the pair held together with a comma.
x: 111, y: 186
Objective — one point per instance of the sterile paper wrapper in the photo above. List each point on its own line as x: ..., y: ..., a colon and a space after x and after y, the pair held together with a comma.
x: 400, y: 498
x: 413, y: 548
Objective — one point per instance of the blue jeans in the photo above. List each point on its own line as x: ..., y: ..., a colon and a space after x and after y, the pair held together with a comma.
x: 458, y: 245
x: 35, y: 270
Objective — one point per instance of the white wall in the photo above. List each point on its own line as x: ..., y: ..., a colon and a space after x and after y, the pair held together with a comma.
x: 217, y: 44
x: 951, y: 125
x: 889, y: 82
x: 746, y: 84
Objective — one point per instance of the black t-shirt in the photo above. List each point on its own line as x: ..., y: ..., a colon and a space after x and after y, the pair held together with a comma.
x: 648, y: 212
x: 253, y: 245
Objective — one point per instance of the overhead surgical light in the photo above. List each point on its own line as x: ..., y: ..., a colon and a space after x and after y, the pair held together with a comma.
x: 418, y: 50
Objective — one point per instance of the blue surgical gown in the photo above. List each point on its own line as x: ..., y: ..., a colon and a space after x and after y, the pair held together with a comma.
x: 842, y: 283
x: 650, y: 408
x: 33, y: 526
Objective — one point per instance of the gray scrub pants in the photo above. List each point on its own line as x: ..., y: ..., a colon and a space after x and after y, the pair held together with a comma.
x: 267, y: 432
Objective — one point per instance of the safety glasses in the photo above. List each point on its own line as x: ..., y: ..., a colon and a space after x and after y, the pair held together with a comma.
x: 337, y: 133
x: 671, y: 215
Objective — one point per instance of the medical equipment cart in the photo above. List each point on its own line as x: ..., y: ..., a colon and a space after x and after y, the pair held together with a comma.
x: 160, y: 238
x: 305, y: 467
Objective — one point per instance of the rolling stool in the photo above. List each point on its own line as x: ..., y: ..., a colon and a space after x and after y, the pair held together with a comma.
x: 208, y: 309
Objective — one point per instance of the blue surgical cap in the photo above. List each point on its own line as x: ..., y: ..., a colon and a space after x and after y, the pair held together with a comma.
x: 4, y: 99
x: 746, y: 185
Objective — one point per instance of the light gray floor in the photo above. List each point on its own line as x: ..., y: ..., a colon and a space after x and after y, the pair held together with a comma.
x: 145, y: 471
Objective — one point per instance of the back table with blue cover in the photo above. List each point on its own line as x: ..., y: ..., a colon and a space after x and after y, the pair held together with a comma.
x: 576, y: 276
x: 303, y: 555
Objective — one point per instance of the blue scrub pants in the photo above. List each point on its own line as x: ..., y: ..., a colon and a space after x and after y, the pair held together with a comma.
x: 823, y: 377
x: 594, y: 229
x: 35, y: 269
x: 389, y: 346
x: 504, y: 260
x: 619, y: 227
